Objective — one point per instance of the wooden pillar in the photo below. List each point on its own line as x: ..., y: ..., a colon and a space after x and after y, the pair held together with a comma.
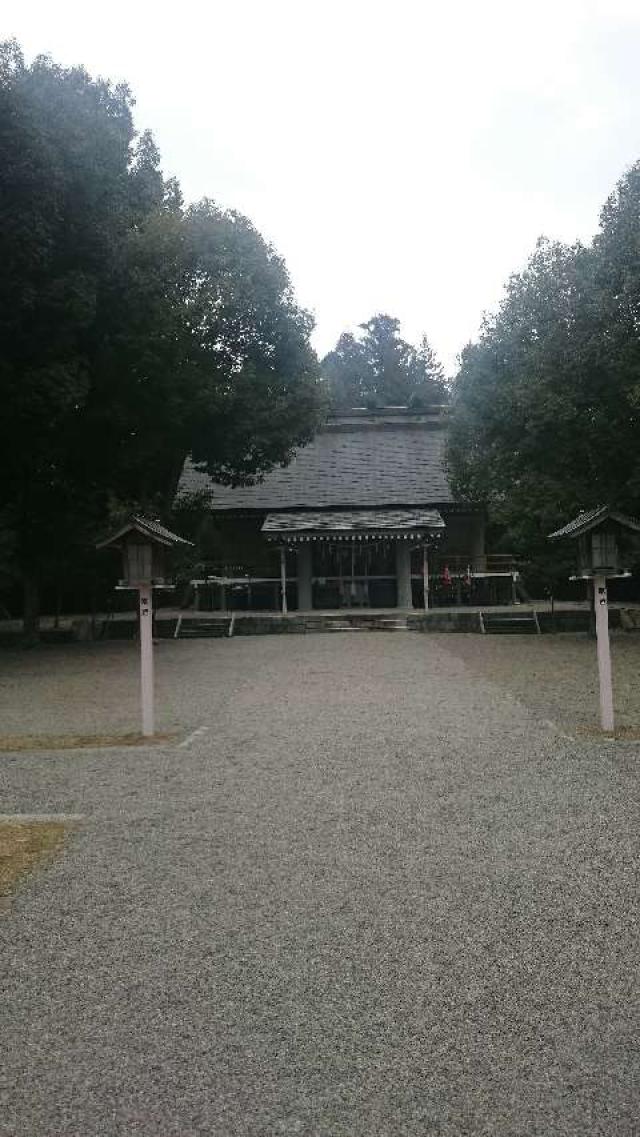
x: 403, y: 574
x: 145, y: 595
x: 283, y: 579
x: 604, y: 653
x: 425, y: 576
x: 305, y: 591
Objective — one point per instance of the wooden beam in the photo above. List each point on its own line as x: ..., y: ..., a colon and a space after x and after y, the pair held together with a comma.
x: 283, y: 578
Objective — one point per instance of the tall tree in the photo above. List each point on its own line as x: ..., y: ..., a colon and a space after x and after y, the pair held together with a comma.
x: 66, y: 147
x: 380, y: 368
x: 345, y: 373
x: 616, y: 251
x: 134, y: 330
x: 430, y: 385
x: 545, y: 414
x: 388, y: 359
x: 203, y: 351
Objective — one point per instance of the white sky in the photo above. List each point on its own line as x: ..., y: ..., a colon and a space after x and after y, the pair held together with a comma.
x: 403, y: 157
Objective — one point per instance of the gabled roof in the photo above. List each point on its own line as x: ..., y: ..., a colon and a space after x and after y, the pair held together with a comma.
x: 590, y: 519
x: 146, y: 528
x: 353, y: 525
x: 393, y: 457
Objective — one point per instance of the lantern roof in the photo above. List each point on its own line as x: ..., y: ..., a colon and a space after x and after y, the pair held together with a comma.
x: 148, y: 528
x: 591, y: 519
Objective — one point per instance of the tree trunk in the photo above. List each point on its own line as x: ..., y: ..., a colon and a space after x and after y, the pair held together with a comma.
x: 175, y: 468
x: 31, y: 611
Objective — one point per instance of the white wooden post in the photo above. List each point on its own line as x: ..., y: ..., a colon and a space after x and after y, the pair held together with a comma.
x: 283, y: 578
x: 604, y: 653
x: 145, y: 594
x: 425, y: 576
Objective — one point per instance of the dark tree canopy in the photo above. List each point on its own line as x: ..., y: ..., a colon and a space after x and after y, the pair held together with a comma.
x: 546, y: 406
x: 134, y: 330
x: 379, y: 368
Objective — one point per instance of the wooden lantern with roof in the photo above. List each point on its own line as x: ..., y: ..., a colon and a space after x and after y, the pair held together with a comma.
x: 604, y: 539
x: 144, y: 545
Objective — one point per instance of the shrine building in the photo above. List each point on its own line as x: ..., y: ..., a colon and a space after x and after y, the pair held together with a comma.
x: 363, y: 517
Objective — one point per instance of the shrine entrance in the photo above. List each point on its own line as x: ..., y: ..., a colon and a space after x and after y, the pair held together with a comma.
x: 353, y: 558
x: 353, y: 574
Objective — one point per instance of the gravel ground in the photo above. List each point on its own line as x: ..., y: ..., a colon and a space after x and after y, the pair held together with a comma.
x: 557, y: 676
x: 378, y: 897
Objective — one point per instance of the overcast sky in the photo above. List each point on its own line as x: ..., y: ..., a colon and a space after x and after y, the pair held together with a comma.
x: 403, y: 157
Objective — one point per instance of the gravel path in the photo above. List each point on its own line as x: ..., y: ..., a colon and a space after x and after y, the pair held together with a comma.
x: 378, y: 897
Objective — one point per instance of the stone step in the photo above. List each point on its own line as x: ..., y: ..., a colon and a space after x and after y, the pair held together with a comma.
x: 220, y: 626
x: 334, y: 627
x: 524, y: 623
x: 203, y: 629
x: 360, y: 623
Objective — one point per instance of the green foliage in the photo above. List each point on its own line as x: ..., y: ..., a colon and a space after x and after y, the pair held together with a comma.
x: 379, y: 368
x: 257, y: 394
x: 66, y: 143
x: 134, y: 331
x: 546, y: 408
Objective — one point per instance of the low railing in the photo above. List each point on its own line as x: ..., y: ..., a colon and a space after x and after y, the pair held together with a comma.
x: 488, y: 564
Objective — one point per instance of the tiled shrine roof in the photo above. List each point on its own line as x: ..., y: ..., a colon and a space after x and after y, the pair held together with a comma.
x: 353, y: 525
x: 362, y: 459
